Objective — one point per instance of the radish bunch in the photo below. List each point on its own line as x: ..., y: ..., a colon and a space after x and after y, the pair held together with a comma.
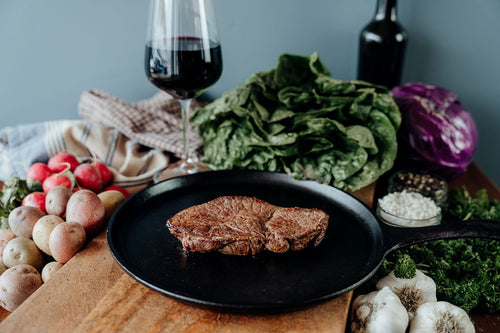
x: 63, y: 169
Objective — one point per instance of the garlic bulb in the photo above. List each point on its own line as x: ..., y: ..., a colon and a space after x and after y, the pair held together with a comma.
x: 441, y: 317
x: 379, y: 311
x: 411, y: 292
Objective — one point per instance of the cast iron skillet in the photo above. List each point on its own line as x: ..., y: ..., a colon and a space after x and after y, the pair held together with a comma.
x: 354, y: 246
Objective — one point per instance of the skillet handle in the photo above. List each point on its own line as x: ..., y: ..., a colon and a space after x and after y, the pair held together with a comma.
x: 399, y: 237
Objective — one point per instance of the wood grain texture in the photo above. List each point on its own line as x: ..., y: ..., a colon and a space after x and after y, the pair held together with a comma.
x: 129, y: 306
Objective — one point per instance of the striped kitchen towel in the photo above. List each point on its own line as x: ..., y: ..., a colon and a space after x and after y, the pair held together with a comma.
x: 154, y: 123
x: 134, y: 140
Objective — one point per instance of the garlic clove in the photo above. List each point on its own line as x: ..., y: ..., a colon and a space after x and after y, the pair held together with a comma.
x: 379, y: 311
x: 412, y: 292
x: 441, y: 317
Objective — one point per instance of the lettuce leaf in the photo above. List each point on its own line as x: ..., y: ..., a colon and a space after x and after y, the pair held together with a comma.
x: 296, y: 119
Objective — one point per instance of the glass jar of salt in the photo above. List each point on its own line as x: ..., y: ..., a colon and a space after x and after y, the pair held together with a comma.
x: 413, y: 200
x: 408, y: 209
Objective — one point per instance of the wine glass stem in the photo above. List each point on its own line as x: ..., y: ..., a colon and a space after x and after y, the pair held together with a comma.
x: 186, y: 129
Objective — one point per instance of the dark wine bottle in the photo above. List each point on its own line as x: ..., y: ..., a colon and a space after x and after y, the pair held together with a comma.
x: 382, y: 46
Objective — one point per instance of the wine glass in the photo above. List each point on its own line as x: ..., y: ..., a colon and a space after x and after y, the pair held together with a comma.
x: 183, y: 58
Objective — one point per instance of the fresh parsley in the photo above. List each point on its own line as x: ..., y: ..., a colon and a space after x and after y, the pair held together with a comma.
x: 466, y: 270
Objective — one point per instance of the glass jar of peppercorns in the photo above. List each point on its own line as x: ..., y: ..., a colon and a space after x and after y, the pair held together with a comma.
x: 423, y: 182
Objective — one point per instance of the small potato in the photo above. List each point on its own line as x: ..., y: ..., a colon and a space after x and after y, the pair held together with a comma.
x: 17, y: 284
x: 56, y: 200
x: 22, y: 220
x: 50, y: 269
x: 111, y: 200
x: 86, y: 208
x: 5, y: 236
x: 21, y: 250
x: 42, y: 229
x: 65, y: 240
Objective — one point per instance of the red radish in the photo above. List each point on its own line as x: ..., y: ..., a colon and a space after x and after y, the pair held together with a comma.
x: 106, y: 175
x: 88, y: 176
x: 58, y: 179
x: 38, y: 171
x: 35, y: 199
x: 123, y: 191
x: 60, y: 162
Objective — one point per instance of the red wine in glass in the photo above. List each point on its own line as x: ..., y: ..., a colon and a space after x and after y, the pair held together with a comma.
x: 185, y: 69
x: 183, y: 58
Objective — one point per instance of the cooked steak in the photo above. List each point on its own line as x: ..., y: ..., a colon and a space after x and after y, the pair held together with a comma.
x: 245, y: 225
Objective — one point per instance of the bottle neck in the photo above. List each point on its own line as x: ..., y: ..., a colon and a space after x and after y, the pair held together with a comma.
x: 386, y: 10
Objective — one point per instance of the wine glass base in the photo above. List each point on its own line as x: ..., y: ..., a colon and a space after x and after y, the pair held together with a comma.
x: 180, y: 168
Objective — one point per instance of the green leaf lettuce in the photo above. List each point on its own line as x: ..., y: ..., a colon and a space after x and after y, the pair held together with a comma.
x: 297, y: 119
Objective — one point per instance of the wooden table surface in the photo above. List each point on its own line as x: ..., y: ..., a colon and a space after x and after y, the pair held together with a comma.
x: 91, y: 293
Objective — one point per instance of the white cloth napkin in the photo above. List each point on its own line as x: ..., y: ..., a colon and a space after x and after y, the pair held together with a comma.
x: 134, y: 140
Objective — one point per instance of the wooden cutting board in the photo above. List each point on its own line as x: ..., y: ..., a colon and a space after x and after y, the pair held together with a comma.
x: 91, y: 293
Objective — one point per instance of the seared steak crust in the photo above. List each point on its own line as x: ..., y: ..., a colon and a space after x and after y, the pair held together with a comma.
x: 246, y: 225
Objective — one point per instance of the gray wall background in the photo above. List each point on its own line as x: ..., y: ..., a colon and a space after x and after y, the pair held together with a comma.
x: 53, y: 50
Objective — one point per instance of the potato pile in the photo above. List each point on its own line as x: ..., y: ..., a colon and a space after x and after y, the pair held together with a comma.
x: 48, y: 230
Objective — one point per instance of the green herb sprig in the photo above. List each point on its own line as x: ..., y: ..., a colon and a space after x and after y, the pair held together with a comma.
x: 13, y: 192
x: 466, y: 270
